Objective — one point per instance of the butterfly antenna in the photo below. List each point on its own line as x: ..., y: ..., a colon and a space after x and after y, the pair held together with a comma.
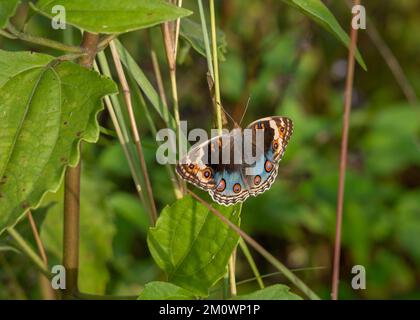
x: 230, y: 117
x: 246, y: 108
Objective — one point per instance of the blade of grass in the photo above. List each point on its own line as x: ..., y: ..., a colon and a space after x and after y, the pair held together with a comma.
x: 137, y: 93
x: 215, y: 68
x: 114, y: 109
x: 134, y: 130
x: 28, y: 251
x: 251, y: 262
x: 133, y: 68
x: 205, y: 38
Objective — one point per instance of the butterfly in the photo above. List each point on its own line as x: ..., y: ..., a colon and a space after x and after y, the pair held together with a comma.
x: 228, y: 181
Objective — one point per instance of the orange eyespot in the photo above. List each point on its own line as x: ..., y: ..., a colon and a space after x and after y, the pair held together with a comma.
x: 275, y: 145
x: 257, y: 180
x: 268, y: 166
x: 282, y: 129
x: 191, y: 166
x: 237, y: 188
x: 207, y: 173
x: 221, y: 186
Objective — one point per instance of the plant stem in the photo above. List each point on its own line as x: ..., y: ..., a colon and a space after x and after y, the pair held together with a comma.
x: 205, y: 37
x: 44, y: 282
x: 134, y: 130
x: 103, y: 43
x: 343, y: 159
x: 72, y: 192
x: 216, y: 68
x: 159, y: 81
x: 117, y: 118
x: 6, y: 34
x: 71, y: 227
x: 43, y: 41
x: 29, y: 252
x: 251, y: 262
x: 267, y: 255
x: 232, y: 278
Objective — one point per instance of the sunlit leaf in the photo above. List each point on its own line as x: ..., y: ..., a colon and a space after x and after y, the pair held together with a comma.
x: 110, y: 16
x: 46, y: 109
x: 192, y: 245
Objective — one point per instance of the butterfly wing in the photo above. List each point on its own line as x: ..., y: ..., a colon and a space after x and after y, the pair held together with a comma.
x: 227, y: 182
x: 277, y: 132
x: 230, y: 183
x: 195, y: 167
x: 205, y: 168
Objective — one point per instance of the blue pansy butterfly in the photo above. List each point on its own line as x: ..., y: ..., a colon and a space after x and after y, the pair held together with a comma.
x: 229, y: 182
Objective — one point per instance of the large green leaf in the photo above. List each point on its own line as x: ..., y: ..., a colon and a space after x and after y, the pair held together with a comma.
x: 110, y: 16
x: 158, y: 290
x: 7, y: 10
x: 96, y: 232
x: 46, y: 109
x: 192, y: 245
x: 274, y: 292
x: 318, y: 12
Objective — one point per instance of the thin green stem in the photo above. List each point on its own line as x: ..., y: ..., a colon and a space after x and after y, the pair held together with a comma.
x: 251, y: 262
x: 6, y: 34
x: 28, y: 251
x: 43, y: 41
x: 216, y: 68
x: 205, y: 38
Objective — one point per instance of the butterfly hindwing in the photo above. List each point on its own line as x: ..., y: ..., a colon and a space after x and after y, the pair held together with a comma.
x: 195, y: 167
x: 230, y: 188
x: 277, y: 132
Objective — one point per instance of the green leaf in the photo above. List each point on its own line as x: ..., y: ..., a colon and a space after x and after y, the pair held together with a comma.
x: 318, y: 12
x: 158, y: 290
x: 96, y: 233
x: 46, y: 109
x: 110, y: 16
x: 191, y: 31
x: 275, y: 292
x: 192, y: 245
x: 7, y: 10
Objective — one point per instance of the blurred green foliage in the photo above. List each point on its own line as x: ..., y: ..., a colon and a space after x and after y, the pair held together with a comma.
x: 288, y: 66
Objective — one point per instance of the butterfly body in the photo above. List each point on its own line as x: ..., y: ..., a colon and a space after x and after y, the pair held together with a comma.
x: 229, y: 171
